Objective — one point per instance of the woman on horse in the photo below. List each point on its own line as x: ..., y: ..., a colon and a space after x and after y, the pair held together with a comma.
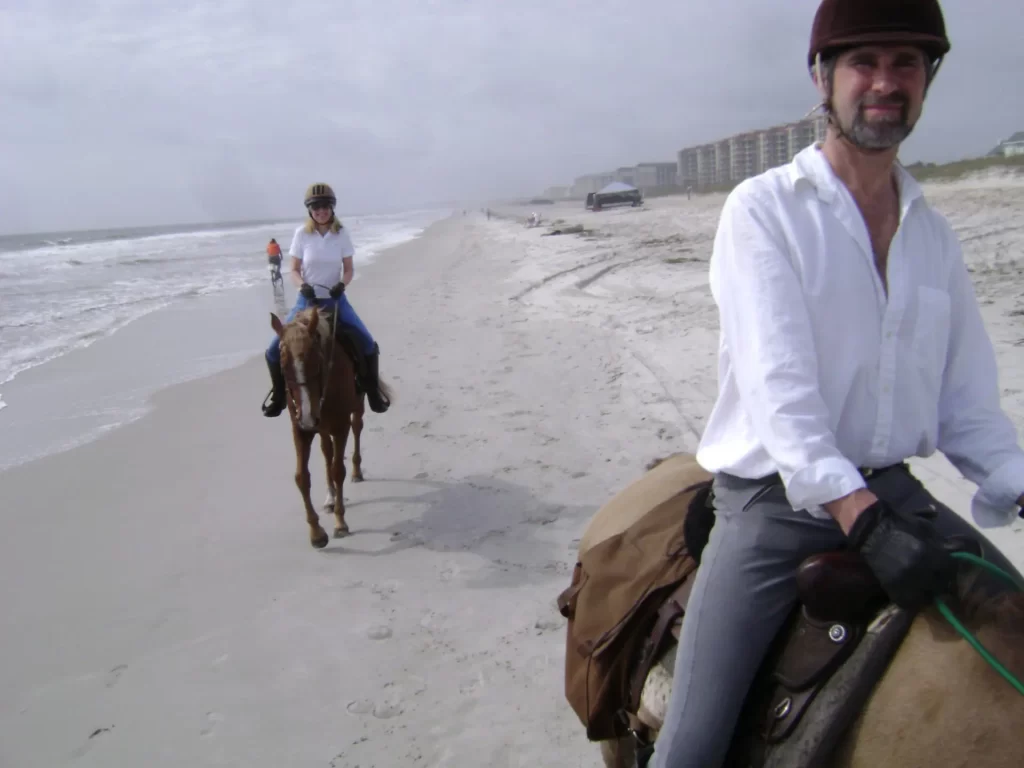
x: 321, y: 255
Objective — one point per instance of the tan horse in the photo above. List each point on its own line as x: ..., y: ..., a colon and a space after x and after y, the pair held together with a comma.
x: 323, y: 399
x: 938, y: 703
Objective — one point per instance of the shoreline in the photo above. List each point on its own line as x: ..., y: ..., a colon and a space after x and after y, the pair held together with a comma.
x: 73, y: 399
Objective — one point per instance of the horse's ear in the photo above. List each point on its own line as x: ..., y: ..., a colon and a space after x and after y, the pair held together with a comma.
x: 275, y: 323
x: 314, y: 319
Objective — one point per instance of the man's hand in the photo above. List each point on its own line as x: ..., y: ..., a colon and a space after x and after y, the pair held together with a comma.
x: 847, y: 509
x: 307, y: 292
x: 337, y: 290
x: 904, y: 552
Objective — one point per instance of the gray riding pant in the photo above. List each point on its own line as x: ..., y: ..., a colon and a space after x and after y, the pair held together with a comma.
x: 743, y: 592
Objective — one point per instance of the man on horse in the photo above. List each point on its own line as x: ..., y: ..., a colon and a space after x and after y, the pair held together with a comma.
x: 851, y: 340
x: 321, y: 253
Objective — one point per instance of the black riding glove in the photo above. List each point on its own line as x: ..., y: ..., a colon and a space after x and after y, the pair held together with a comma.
x: 904, y: 552
x: 337, y: 290
x: 307, y: 292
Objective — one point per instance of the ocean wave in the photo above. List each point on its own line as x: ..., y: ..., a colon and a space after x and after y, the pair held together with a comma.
x: 60, y: 298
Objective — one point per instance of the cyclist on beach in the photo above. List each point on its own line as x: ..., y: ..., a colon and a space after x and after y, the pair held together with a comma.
x: 274, y: 259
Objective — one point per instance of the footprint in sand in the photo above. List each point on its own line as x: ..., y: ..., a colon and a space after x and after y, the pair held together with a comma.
x: 114, y: 675
x: 548, y: 625
x: 391, y: 706
x: 213, y: 719
x: 359, y: 707
x: 449, y: 571
x: 379, y: 633
x: 385, y: 589
x: 540, y: 666
x: 81, y: 751
x: 387, y: 710
x: 471, y: 685
x: 434, y: 622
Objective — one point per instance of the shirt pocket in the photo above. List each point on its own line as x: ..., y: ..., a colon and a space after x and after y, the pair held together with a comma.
x: 931, y: 334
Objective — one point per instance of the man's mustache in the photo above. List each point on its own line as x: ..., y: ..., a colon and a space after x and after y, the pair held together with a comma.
x: 896, y: 100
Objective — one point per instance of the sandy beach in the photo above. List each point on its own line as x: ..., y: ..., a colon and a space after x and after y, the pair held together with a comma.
x: 163, y: 607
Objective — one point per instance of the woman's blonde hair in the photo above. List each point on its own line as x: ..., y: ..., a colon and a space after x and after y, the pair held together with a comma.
x: 335, y: 225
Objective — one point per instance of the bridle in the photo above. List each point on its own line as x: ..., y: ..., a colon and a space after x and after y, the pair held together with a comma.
x: 326, y: 373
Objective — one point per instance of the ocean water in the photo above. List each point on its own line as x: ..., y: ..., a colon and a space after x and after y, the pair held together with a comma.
x: 92, y: 324
x: 62, y: 291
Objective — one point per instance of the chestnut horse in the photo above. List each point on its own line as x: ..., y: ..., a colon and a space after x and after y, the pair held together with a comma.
x: 323, y: 398
x: 938, y: 702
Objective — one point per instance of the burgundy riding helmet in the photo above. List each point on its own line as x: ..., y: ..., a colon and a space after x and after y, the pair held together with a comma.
x: 841, y: 24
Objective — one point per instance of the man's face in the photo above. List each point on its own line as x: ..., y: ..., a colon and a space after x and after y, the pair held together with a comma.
x: 878, y: 93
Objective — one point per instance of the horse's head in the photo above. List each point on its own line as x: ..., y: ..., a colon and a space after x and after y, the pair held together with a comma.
x: 303, y: 361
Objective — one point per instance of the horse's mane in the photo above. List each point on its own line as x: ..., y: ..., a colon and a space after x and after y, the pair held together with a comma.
x: 299, y: 328
x: 984, y: 599
x: 993, y: 611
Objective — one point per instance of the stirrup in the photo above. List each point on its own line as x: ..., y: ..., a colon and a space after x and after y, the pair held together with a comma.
x: 271, y: 408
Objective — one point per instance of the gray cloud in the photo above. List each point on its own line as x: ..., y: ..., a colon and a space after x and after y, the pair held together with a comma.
x: 119, y: 113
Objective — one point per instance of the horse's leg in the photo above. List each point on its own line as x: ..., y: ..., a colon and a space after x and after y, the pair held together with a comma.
x: 619, y: 753
x: 327, y: 446
x: 303, y: 446
x: 357, y: 430
x: 340, y: 438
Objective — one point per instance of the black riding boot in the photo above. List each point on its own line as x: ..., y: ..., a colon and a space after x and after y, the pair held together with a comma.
x: 371, y: 385
x: 274, y: 402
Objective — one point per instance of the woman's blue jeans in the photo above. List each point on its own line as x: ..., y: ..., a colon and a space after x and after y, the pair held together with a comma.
x: 346, y: 315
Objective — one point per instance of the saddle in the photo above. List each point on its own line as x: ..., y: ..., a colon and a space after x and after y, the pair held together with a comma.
x: 819, y: 672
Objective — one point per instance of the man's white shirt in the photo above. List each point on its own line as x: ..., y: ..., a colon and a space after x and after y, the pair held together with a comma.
x: 821, y: 371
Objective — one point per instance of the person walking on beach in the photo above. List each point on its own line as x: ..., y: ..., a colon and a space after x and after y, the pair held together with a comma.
x: 851, y: 340
x: 274, y: 259
x: 321, y: 254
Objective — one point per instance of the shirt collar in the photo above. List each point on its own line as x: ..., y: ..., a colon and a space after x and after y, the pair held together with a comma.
x: 810, y: 166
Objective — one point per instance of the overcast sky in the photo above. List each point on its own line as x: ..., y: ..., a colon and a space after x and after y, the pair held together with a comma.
x: 124, y: 113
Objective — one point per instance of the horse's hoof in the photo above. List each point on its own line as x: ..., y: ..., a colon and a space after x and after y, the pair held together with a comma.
x: 341, y: 532
x: 320, y: 540
x: 357, y: 478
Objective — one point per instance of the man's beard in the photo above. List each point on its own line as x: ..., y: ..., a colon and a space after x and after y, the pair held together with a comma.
x: 881, y: 134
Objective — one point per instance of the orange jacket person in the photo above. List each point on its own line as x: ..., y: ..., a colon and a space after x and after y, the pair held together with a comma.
x: 274, y: 252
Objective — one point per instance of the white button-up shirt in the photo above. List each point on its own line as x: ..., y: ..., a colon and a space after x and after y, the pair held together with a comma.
x: 821, y: 371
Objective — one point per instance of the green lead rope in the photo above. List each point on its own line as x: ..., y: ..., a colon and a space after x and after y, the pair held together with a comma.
x: 966, y: 634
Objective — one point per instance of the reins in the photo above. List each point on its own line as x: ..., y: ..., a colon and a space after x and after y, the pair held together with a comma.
x: 332, y: 343
x: 966, y: 634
